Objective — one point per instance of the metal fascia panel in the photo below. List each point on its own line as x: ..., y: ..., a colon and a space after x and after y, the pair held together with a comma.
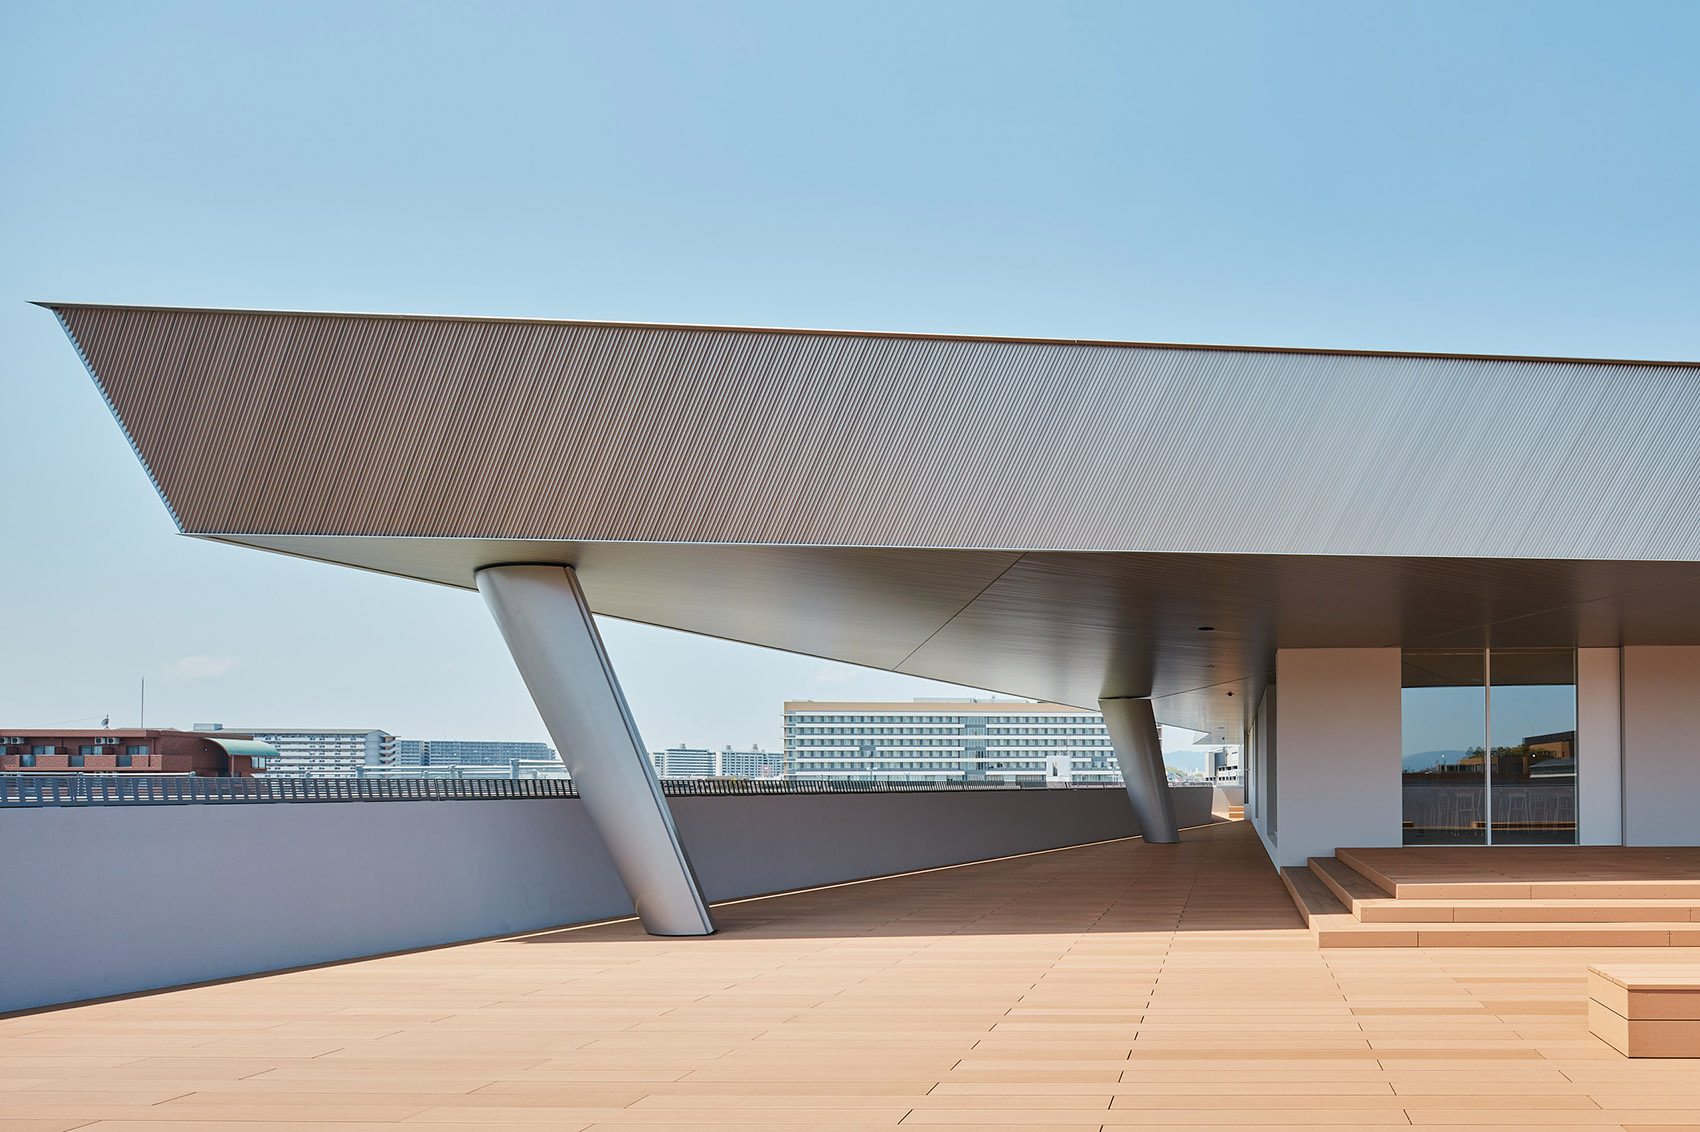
x: 432, y: 427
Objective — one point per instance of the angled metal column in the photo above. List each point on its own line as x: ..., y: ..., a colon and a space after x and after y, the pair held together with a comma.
x: 1139, y: 749
x: 543, y: 616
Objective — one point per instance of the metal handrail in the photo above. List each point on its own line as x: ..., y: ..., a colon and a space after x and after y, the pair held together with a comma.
x: 186, y: 789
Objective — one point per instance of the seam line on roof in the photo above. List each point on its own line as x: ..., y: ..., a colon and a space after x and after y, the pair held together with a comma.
x: 981, y: 592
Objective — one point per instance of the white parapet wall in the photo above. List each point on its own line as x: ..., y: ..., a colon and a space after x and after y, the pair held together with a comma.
x: 104, y: 900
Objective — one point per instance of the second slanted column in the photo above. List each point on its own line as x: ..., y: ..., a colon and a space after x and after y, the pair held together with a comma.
x: 1132, y: 725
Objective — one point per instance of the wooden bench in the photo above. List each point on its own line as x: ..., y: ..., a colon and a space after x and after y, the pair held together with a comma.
x: 1646, y: 1011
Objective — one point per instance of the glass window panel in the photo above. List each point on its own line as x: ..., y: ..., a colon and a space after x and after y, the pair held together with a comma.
x: 1443, y: 710
x: 1532, y: 731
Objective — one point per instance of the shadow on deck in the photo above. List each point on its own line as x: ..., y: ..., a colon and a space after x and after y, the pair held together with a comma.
x: 1217, y: 879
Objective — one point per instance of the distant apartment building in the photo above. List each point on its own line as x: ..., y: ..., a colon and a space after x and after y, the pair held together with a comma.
x: 1224, y: 767
x: 700, y: 762
x: 989, y: 740
x: 227, y: 754
x: 754, y: 763
x: 313, y: 752
x: 684, y: 762
x: 469, y: 752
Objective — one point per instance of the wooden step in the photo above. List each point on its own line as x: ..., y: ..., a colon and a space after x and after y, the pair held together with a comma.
x: 1370, y: 904
x: 1329, y: 920
x: 1525, y: 897
x: 1528, y: 935
x: 1310, y: 896
x: 1356, y: 893
x: 1548, y: 872
x: 1670, y: 912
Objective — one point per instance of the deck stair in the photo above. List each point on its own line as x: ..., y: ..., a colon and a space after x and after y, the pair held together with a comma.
x: 1545, y: 897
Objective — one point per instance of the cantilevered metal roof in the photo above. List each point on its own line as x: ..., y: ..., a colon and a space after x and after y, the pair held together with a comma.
x: 1048, y: 518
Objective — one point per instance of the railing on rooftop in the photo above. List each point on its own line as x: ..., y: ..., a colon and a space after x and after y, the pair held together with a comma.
x: 185, y: 789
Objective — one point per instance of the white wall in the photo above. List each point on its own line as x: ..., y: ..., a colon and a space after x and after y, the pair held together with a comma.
x: 108, y: 900
x: 1661, y: 744
x: 1599, y: 747
x: 1260, y: 807
x: 1338, y: 733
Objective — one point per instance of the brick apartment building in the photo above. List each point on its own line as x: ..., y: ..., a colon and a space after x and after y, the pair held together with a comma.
x: 120, y: 751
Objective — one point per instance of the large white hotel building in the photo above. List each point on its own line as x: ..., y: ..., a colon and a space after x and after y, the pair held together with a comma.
x: 930, y: 739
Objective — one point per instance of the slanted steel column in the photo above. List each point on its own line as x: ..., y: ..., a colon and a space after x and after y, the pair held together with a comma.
x: 543, y: 616
x: 1139, y: 749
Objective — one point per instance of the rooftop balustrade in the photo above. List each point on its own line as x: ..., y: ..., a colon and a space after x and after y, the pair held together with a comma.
x: 150, y: 789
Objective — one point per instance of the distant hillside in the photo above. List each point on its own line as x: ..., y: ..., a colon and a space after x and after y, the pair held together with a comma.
x: 1187, y: 759
x: 1423, y: 760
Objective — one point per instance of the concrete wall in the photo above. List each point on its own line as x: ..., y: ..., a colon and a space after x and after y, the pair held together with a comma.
x: 108, y: 900
x: 1338, y: 733
x: 1661, y: 744
x: 1599, y: 747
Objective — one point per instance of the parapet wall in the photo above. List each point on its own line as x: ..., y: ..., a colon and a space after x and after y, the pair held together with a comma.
x: 104, y: 900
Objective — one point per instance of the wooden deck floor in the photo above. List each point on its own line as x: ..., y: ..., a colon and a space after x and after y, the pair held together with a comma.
x: 1111, y: 986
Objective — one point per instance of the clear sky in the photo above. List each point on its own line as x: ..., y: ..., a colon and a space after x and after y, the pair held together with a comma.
x: 1480, y: 176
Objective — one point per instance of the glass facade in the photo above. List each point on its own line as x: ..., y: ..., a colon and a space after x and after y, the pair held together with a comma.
x: 1488, y: 748
x: 1443, y: 715
x: 1532, y: 736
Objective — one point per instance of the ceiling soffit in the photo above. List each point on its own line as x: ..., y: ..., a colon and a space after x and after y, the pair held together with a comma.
x: 1070, y: 627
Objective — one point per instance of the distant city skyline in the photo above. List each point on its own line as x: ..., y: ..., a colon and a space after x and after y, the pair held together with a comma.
x: 1179, y: 747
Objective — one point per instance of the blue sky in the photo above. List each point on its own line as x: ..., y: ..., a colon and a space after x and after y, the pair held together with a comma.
x: 1479, y: 177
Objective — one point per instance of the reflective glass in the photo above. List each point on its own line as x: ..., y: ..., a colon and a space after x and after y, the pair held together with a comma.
x: 1444, y: 720
x: 1532, y: 731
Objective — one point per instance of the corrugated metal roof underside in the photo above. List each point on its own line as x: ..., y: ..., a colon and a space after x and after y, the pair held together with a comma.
x: 301, y: 424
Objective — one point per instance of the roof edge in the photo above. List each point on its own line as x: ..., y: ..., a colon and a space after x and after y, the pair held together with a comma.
x: 100, y: 386
x: 59, y: 307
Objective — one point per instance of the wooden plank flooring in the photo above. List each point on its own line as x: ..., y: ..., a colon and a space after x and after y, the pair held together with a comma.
x: 1113, y: 986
